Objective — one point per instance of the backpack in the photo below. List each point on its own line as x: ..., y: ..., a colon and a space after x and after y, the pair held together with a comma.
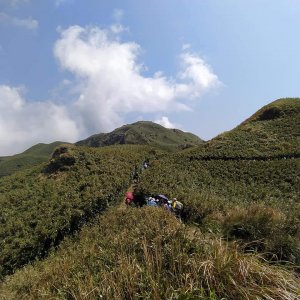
x: 177, y: 205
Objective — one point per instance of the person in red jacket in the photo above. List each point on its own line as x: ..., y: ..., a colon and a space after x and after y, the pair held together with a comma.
x: 129, y: 198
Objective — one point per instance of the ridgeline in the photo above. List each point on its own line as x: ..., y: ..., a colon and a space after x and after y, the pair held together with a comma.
x: 144, y: 133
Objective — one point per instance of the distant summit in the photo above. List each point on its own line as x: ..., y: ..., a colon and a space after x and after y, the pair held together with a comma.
x: 273, y: 131
x: 144, y: 133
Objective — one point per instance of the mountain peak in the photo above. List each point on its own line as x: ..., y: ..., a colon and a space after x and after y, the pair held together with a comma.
x: 273, y: 131
x: 144, y: 133
x: 277, y: 109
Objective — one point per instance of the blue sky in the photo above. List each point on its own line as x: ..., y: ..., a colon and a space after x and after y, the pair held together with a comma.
x: 69, y: 69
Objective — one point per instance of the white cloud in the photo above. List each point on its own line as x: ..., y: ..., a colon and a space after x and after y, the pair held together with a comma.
x: 117, y: 28
x: 118, y: 15
x: 28, y: 23
x: 108, y: 84
x: 111, y: 82
x: 197, y: 74
x: 186, y: 47
x: 164, y: 121
x: 24, y: 123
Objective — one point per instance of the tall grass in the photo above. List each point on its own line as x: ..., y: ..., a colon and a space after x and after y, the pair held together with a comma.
x: 148, y: 254
x: 254, y: 202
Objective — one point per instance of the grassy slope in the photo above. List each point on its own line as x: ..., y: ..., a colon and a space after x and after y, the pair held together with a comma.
x: 42, y: 205
x: 264, y: 194
x: 31, y: 157
x: 227, y: 190
x: 272, y: 131
x: 238, y: 165
x: 147, y: 254
x: 143, y: 132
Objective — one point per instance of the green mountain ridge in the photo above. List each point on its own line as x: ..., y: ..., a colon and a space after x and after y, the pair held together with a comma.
x: 144, y: 133
x: 139, y: 133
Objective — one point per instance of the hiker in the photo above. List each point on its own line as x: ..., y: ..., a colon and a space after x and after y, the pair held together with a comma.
x: 146, y: 164
x: 139, y: 199
x: 177, y: 207
x: 162, y: 199
x: 167, y: 206
x: 136, y: 177
x: 152, y: 202
x: 129, y: 200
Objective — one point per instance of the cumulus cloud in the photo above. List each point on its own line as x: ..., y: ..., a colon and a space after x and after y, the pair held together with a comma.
x: 24, y: 123
x: 108, y: 84
x: 197, y: 75
x: 111, y: 78
x: 28, y: 23
x: 164, y: 121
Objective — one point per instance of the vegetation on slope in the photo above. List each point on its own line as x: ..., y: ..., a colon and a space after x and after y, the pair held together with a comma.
x: 241, y: 185
x: 273, y: 131
x: 227, y: 190
x: 144, y: 133
x: 147, y: 254
x: 33, y: 156
x: 43, y: 205
x: 253, y: 201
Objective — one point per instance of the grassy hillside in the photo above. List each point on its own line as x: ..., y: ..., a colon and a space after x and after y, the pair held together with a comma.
x: 41, y: 206
x: 273, y: 131
x: 148, y: 254
x: 261, y: 193
x: 242, y: 186
x: 144, y: 133
x: 31, y: 157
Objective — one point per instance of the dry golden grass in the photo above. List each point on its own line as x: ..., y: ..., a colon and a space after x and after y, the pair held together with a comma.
x: 148, y: 254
